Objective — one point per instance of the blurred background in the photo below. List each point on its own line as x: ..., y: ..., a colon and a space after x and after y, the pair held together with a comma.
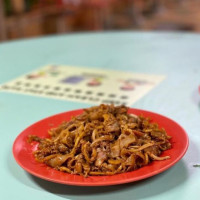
x: 32, y: 18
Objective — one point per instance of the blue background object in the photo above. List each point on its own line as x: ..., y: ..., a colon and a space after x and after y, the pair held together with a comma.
x: 175, y: 55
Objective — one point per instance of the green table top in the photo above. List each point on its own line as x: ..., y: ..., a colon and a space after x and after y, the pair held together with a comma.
x: 175, y: 55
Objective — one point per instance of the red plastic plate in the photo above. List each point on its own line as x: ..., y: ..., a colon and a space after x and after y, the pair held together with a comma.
x: 23, y: 152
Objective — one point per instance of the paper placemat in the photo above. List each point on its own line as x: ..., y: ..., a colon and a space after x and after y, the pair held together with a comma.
x: 81, y: 84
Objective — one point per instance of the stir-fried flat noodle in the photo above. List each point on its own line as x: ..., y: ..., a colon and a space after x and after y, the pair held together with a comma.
x: 104, y: 140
